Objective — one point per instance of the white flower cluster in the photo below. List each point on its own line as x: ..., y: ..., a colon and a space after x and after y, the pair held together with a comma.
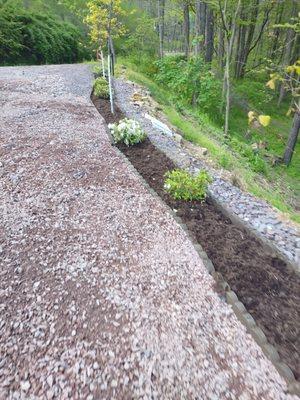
x: 127, y: 131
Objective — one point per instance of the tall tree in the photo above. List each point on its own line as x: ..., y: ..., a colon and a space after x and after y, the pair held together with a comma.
x: 161, y: 25
x: 229, y: 21
x: 200, y: 22
x: 186, y: 27
x: 287, y: 56
x: 209, y: 35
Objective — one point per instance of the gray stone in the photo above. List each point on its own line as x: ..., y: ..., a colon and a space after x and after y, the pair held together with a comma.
x: 231, y: 297
x: 285, y: 371
x: 271, y: 352
x: 258, y: 335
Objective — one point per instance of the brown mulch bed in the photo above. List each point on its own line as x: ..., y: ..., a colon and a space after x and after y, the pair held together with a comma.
x: 104, y: 106
x: 262, y: 281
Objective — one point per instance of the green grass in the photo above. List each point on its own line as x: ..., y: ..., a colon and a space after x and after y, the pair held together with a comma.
x: 279, y: 185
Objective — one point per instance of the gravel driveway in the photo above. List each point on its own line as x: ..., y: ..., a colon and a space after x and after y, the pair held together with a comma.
x: 102, y: 295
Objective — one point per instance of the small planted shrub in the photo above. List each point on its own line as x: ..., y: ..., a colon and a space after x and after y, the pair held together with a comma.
x: 181, y: 185
x: 127, y: 131
x: 97, y: 71
x: 101, y: 88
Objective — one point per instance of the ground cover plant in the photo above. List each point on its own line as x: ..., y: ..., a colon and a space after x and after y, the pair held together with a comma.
x: 101, y: 88
x: 181, y: 185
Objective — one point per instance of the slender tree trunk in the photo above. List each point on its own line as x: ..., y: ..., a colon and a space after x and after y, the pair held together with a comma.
x: 251, y: 30
x: 241, y: 43
x: 221, y: 48
x: 230, y: 36
x: 209, y: 35
x: 186, y: 28
x: 110, y: 43
x: 200, y: 22
x: 113, y: 55
x: 161, y: 25
x: 292, y: 140
x: 276, y: 32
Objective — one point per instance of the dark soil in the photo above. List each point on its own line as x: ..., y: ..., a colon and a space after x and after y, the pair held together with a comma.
x: 103, y: 106
x: 262, y: 281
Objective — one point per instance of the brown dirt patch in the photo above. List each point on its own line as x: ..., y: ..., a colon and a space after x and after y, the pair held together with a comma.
x: 103, y: 106
x: 262, y: 281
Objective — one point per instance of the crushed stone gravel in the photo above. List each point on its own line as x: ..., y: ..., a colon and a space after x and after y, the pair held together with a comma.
x: 102, y: 295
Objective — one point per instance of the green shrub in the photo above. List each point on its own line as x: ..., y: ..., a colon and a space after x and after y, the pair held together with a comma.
x: 254, y: 92
x: 101, y: 88
x: 97, y: 71
x: 28, y: 37
x: 181, y: 185
x: 191, y: 82
x: 127, y: 131
x: 255, y: 161
x: 224, y: 160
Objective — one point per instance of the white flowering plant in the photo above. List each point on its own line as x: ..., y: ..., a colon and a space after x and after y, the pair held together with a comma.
x: 127, y: 131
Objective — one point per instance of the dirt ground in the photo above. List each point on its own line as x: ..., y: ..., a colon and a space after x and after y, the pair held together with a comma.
x: 269, y: 291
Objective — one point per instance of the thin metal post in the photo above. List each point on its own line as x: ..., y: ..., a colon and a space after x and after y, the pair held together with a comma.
x: 110, y: 85
x: 103, y: 66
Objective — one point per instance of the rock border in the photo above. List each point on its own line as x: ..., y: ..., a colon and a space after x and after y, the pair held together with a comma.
x: 266, y: 243
x: 230, y: 296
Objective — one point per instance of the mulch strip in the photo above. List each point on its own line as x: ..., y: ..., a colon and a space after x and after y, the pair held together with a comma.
x: 262, y: 281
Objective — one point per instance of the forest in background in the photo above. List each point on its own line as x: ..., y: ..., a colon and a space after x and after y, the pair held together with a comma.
x: 226, y: 72
x: 41, y: 32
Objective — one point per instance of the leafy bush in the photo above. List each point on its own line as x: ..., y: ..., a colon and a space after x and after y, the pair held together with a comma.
x: 28, y: 37
x: 181, y: 185
x: 128, y: 131
x: 192, y: 82
x: 97, y: 71
x: 101, y: 88
x: 254, y: 92
x: 256, y: 163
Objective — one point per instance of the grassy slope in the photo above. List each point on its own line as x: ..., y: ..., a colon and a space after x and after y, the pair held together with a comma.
x: 276, y: 189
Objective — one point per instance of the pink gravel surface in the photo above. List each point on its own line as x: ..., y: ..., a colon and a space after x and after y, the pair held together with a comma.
x: 102, y: 295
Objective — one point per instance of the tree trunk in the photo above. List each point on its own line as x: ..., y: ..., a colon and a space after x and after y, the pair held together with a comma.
x: 221, y: 48
x: 226, y: 85
x: 251, y: 30
x: 113, y: 55
x: 276, y: 31
x: 209, y: 35
x: 200, y: 22
x: 292, y: 140
x: 240, y: 48
x: 186, y: 28
x: 161, y: 25
x: 290, y: 36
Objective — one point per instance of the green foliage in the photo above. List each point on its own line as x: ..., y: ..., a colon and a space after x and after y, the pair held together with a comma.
x: 127, y: 131
x: 28, y: 37
x: 101, y: 88
x: 282, y: 187
x: 253, y: 92
x: 192, y: 82
x: 97, y: 71
x: 181, y: 185
x: 256, y: 163
x: 142, y: 39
